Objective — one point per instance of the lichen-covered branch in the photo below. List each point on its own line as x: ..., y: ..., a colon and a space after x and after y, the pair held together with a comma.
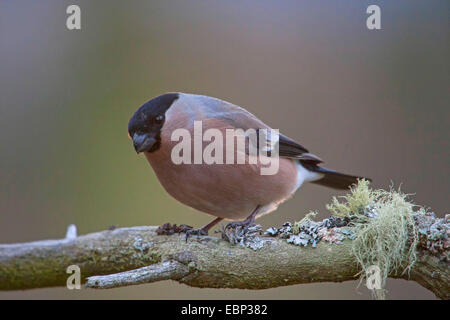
x: 371, y: 230
x: 139, y: 255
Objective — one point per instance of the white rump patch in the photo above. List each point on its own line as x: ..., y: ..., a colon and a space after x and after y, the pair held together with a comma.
x: 304, y: 174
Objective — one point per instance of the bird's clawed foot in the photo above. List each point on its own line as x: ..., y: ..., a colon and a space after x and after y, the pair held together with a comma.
x: 241, y: 232
x: 245, y: 225
x: 198, y: 232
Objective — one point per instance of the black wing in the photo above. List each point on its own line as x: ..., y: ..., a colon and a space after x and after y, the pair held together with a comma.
x: 288, y: 148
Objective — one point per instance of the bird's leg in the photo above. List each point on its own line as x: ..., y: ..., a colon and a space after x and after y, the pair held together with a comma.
x: 202, y: 231
x: 247, y: 223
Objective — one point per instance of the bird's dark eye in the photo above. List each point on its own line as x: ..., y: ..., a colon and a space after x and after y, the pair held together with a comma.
x: 159, y: 119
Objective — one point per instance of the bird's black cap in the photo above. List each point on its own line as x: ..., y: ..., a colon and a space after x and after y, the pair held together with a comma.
x: 146, y: 123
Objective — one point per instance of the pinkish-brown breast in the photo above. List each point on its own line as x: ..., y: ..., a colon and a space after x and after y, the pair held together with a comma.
x: 230, y: 191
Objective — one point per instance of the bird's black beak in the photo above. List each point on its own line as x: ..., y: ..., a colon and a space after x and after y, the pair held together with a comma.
x: 143, y: 142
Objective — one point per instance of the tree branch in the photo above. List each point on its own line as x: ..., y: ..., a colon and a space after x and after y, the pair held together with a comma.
x: 138, y: 255
x: 167, y: 270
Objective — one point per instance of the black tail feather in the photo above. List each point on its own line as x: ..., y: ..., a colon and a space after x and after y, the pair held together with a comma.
x: 334, y: 179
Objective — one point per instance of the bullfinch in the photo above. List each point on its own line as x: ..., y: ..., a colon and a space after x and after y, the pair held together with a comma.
x: 223, y: 189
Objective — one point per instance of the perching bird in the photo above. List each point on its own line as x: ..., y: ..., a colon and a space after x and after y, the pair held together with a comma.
x: 237, y: 192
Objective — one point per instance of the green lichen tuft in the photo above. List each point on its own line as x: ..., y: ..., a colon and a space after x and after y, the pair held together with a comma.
x: 385, y: 229
x: 360, y: 197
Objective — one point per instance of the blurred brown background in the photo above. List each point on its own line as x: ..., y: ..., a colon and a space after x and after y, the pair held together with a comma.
x: 373, y: 103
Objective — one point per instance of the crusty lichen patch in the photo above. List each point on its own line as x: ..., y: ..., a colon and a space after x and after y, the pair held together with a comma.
x: 308, y: 232
x: 434, y: 234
